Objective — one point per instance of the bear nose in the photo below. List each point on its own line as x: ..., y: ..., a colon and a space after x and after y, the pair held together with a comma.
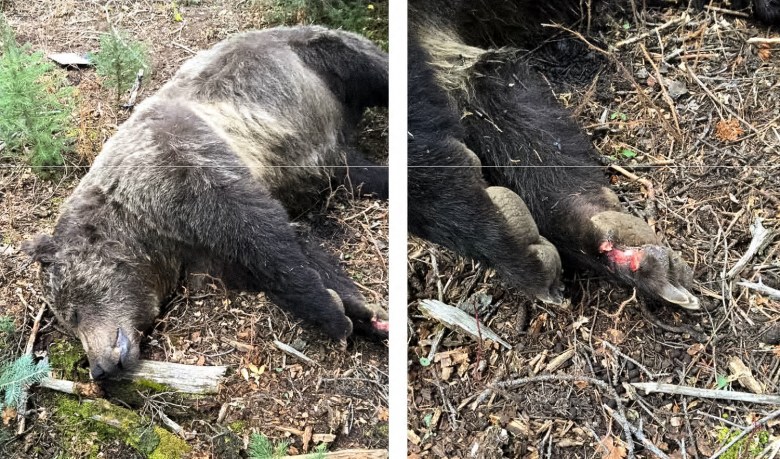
x: 97, y: 372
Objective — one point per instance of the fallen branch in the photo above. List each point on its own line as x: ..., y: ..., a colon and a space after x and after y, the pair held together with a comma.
x: 708, y: 393
x: 664, y: 92
x: 90, y: 389
x: 289, y: 350
x: 22, y: 405
x: 192, y: 379
x: 457, y: 319
x: 761, y: 288
x: 761, y: 237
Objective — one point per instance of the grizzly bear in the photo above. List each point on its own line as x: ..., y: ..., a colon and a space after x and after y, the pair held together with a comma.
x: 202, y: 176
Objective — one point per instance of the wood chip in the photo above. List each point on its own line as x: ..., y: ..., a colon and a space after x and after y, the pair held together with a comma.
x: 742, y: 373
x: 559, y: 360
x: 323, y: 438
x: 456, y: 319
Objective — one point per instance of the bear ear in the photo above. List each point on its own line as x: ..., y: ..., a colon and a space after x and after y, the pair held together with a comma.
x: 42, y: 249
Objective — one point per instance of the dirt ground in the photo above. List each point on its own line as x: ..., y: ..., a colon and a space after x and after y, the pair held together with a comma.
x: 693, y: 111
x: 344, y: 393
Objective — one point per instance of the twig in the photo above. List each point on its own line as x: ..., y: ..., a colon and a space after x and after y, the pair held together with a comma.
x: 287, y: 349
x: 637, y: 432
x: 761, y: 237
x: 716, y: 9
x: 173, y: 426
x: 623, y: 304
x: 184, y: 47
x: 761, y: 288
x: 650, y: 205
x: 717, y: 102
x: 617, y: 351
x: 771, y: 41
x: 666, y: 25
x: 134, y: 92
x: 674, y: 389
x: 750, y: 429
x: 664, y: 93
x: 22, y: 405
x: 629, y: 75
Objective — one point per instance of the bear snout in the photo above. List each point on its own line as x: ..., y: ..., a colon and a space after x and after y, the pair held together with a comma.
x: 105, y: 361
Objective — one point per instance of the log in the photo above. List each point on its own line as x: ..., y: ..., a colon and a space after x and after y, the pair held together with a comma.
x: 458, y: 320
x: 192, y: 379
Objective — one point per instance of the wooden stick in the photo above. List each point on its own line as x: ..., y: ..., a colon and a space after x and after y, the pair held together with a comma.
x: 134, y: 92
x: 771, y: 41
x: 637, y: 431
x: 761, y: 288
x: 664, y: 93
x: 717, y: 101
x: 708, y: 393
x: 22, y: 405
x: 716, y: 9
x: 90, y: 389
x: 289, y: 350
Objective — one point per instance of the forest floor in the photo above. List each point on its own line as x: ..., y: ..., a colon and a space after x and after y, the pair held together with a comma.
x: 340, y: 398
x: 693, y: 111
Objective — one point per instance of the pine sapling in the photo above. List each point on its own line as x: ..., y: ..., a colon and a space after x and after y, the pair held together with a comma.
x: 35, y: 104
x: 119, y: 60
x: 17, y: 375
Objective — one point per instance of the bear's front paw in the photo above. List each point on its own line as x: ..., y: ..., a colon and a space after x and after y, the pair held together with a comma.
x: 630, y: 249
x: 655, y: 270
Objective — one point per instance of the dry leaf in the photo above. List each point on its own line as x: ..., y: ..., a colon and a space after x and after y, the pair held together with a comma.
x: 695, y: 349
x: 581, y: 384
x: 614, y: 336
x: 8, y: 415
x: 764, y: 51
x: 728, y: 130
x: 611, y: 450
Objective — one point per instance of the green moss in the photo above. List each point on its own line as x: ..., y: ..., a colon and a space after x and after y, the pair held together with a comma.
x: 237, y: 426
x: 94, y: 423
x: 148, y: 385
x: 170, y: 447
x: 749, y: 447
x: 65, y: 355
